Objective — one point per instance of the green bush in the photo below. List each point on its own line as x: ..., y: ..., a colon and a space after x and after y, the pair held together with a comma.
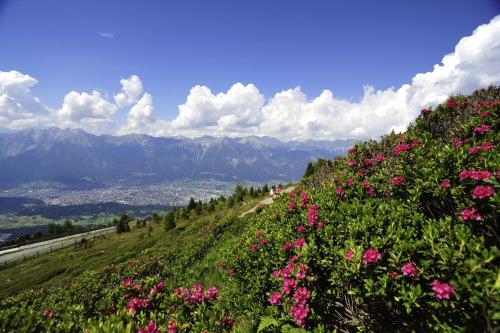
x: 169, y: 221
x: 402, y: 236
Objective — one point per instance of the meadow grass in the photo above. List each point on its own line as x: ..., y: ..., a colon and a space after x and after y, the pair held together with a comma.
x: 62, y: 266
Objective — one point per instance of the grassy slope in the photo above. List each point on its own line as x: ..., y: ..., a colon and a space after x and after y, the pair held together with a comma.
x: 401, y: 223
x: 67, y: 264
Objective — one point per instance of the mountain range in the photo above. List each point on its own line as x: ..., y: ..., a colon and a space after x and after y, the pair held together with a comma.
x: 72, y: 155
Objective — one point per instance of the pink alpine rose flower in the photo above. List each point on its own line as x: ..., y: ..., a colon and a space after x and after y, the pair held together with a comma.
x: 48, y: 314
x: 475, y: 150
x: 482, y: 191
x: 197, y: 297
x: 288, y: 285
x: 275, y: 298
x: 299, y: 312
x: 340, y: 191
x: 160, y: 286
x: 212, y: 293
x: 128, y: 282
x: 172, y: 327
x: 182, y: 292
x: 153, y: 291
x: 287, y: 271
x: 149, y: 328
x: 304, y: 200
x: 349, y: 255
x: 312, y: 214
x: 398, y: 180
x: 475, y: 174
x: 136, y: 304
x: 487, y: 146
x: 300, y: 229
x: 350, y: 183
x: 445, y: 184
x: 371, y: 256
x: 351, y: 162
x: 409, y: 270
x: 482, y: 129
x: 362, y: 172
x: 443, y: 290
x: 379, y: 158
x: 480, y: 174
x: 301, y: 272
x: 226, y: 321
x: 470, y: 213
x: 401, y: 148
x: 457, y: 143
x: 301, y: 295
x: 299, y: 243
x: 287, y: 246
x: 465, y: 174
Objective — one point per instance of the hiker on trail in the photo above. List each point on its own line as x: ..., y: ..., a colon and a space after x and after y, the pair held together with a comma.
x: 271, y: 192
x: 277, y: 191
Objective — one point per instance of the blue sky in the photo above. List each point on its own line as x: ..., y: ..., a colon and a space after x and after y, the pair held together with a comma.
x: 275, y: 45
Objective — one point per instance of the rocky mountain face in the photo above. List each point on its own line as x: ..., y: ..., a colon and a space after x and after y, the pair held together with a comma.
x: 76, y: 156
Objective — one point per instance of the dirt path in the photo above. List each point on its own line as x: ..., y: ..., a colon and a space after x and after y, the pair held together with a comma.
x: 266, y: 201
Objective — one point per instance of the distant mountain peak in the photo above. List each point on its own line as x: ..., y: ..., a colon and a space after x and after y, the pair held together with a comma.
x: 55, y: 154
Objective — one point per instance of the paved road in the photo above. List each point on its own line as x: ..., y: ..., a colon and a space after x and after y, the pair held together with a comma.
x: 265, y: 202
x: 26, y: 251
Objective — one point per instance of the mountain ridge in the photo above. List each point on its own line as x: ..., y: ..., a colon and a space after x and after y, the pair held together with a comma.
x: 55, y: 154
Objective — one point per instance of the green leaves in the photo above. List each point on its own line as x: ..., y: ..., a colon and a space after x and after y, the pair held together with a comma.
x: 267, y: 323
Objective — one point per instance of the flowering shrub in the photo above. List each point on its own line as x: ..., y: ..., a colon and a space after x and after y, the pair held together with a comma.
x: 408, y: 239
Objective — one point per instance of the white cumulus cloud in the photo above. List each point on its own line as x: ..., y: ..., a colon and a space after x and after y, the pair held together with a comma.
x: 91, y: 112
x: 141, y: 117
x: 240, y: 106
x: 290, y: 114
x: 18, y: 107
x: 130, y: 93
x: 243, y: 110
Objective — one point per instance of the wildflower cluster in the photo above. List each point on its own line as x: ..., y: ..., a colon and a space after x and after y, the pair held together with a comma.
x: 196, y: 294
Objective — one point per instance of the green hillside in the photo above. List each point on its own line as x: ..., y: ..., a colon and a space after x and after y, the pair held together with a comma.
x: 401, y: 235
